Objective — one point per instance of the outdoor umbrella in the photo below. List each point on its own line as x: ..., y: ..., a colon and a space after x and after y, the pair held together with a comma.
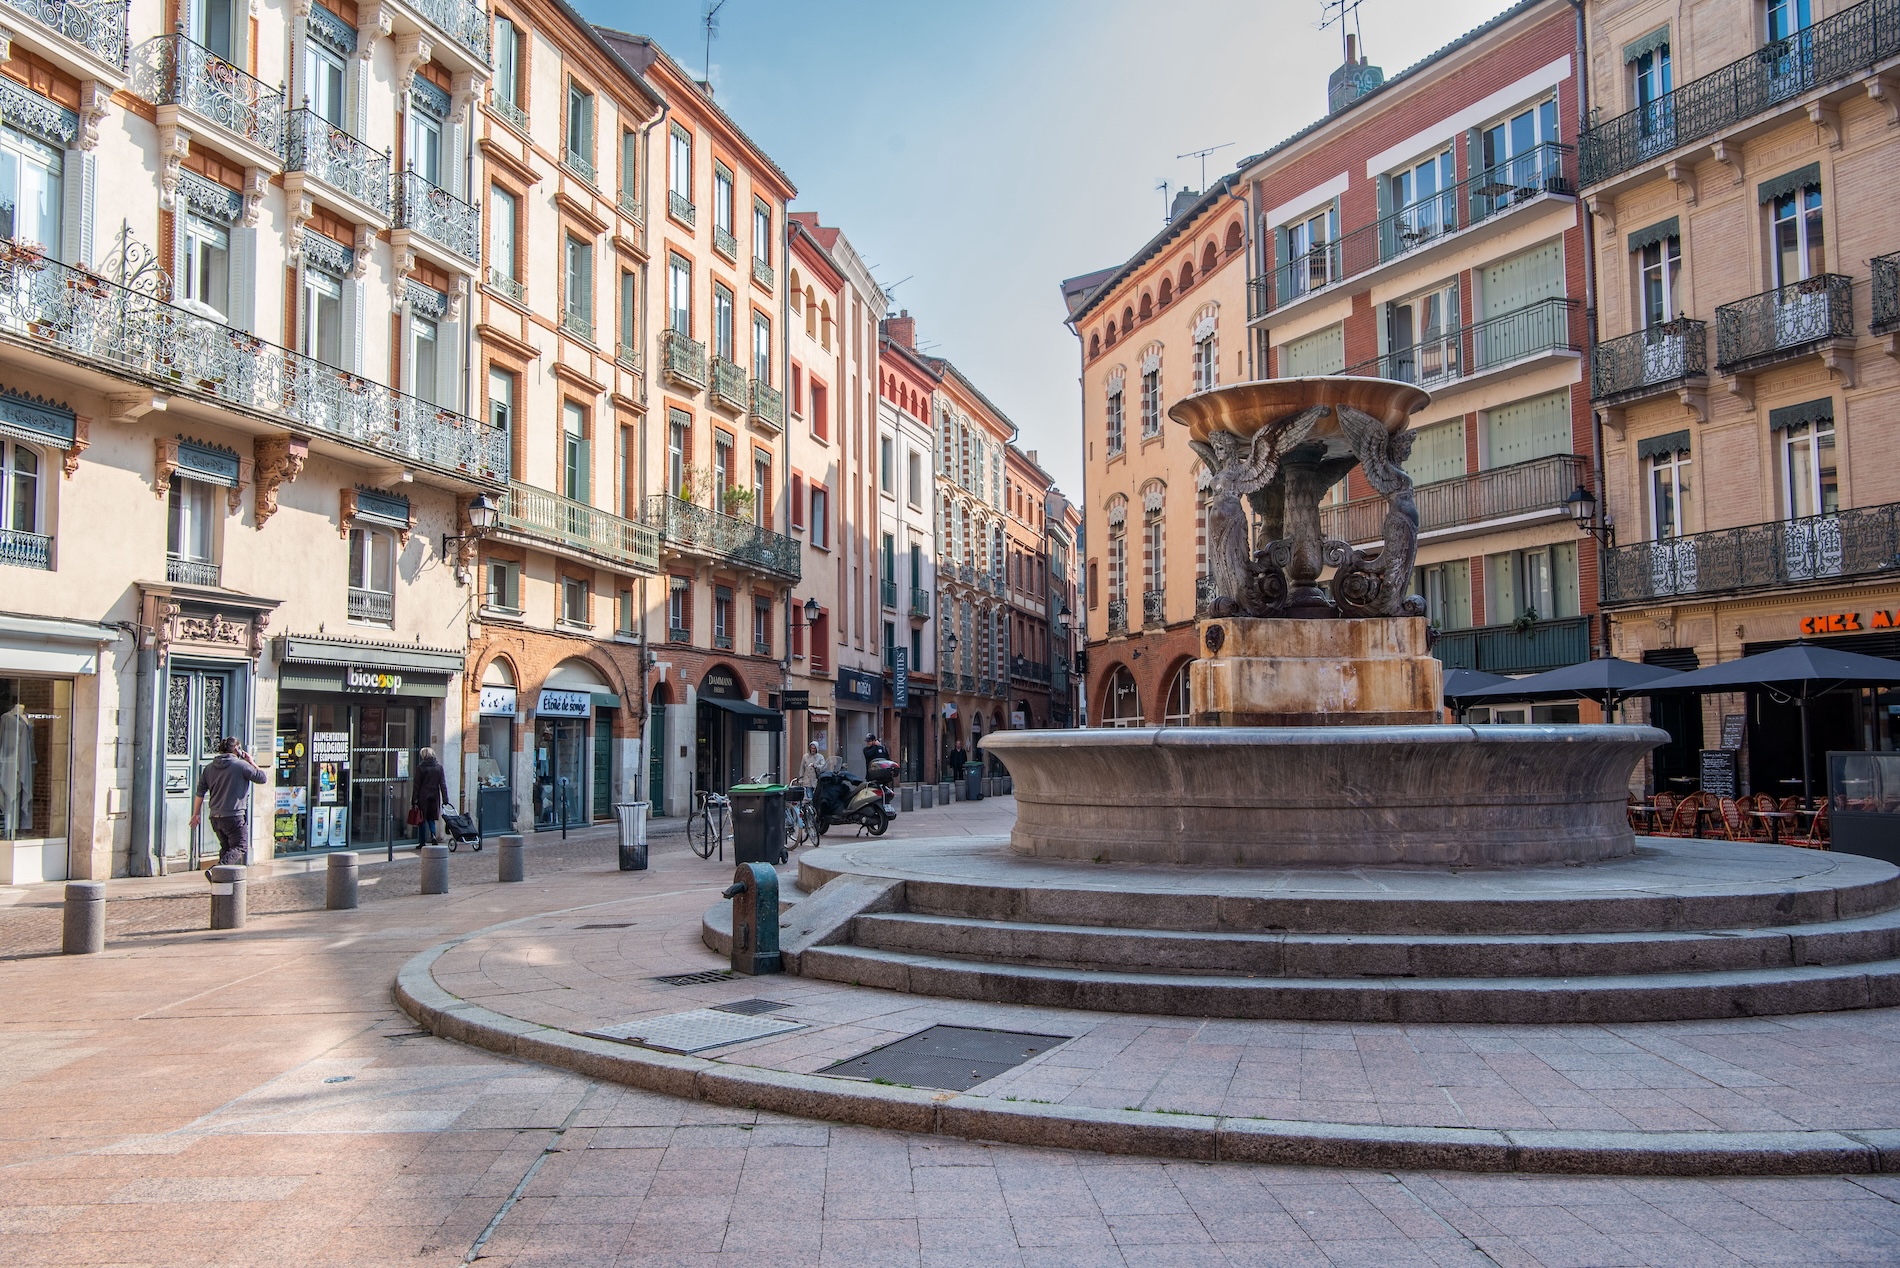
x: 1605, y: 680
x: 1460, y: 684
x: 1797, y: 672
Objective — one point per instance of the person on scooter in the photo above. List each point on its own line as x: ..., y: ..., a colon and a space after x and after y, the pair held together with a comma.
x: 874, y: 752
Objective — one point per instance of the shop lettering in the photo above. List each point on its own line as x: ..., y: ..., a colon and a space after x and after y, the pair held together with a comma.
x: 1849, y: 622
x: 564, y: 704
x: 498, y: 701
x: 367, y: 680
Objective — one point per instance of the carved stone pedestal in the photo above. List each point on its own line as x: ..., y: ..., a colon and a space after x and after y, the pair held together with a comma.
x: 1371, y: 671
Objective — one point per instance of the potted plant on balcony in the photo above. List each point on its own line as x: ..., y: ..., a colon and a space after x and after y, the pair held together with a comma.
x: 1526, y: 621
x: 737, y: 501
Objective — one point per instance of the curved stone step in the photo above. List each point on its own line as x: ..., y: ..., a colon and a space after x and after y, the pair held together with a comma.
x: 1521, y: 1001
x: 1305, y: 955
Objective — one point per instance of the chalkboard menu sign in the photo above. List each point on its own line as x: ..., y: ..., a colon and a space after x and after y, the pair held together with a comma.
x: 1720, y: 772
x: 1733, y: 726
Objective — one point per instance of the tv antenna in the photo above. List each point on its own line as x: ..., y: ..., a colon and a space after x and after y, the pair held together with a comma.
x: 889, y: 290
x: 1341, y: 12
x: 712, y: 29
x: 1166, y: 206
x: 1202, y: 155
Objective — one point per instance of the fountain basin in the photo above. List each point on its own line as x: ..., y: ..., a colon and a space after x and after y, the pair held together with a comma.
x: 1461, y: 796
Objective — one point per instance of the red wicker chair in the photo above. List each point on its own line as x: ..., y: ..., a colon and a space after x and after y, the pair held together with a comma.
x: 1816, y: 837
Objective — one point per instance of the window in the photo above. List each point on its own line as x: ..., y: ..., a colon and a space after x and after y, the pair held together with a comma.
x: 722, y: 617
x: 425, y: 146
x: 1539, y: 583
x: 887, y: 466
x: 30, y: 175
x: 578, y: 310
x: 724, y: 339
x: 1515, y: 155
x: 762, y: 348
x: 761, y: 626
x: 761, y: 232
x: 1118, y: 563
x: 890, y: 644
x: 20, y: 504
x: 678, y: 453
x: 1150, y: 403
x: 1446, y: 589
x: 916, y: 497
x: 1308, y: 252
x: 819, y: 418
x: 887, y: 568
x: 1525, y: 430
x: 624, y: 612
x: 207, y: 281
x: 424, y: 381
x: 1116, y: 439
x: 508, y: 64
x: 1206, y: 363
x: 679, y: 295
x: 503, y: 592
x: 821, y: 644
x: 1661, y: 266
x: 192, y: 527
x: 209, y: 23
x: 1322, y: 352
x: 1524, y: 292
x: 679, y: 610
x: 1438, y: 453
x: 722, y: 467
x: 576, y: 601
x: 1669, y: 494
x: 916, y: 566
x: 722, y: 200
x: 798, y: 500
x: 501, y: 398
x: 1810, y: 479
x: 324, y: 83
x: 820, y: 523
x: 1790, y: 50
x: 679, y: 173
x: 762, y: 488
x: 1655, y: 113
x: 1423, y: 201
x: 321, y: 331
x: 629, y: 169
x: 1797, y: 236
x: 574, y: 474
x: 372, y: 573
x: 502, y: 210
x: 629, y: 313
x: 1422, y: 337
x: 580, y: 130
x: 1154, y: 546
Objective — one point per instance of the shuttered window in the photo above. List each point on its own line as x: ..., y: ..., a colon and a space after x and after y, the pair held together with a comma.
x: 1517, y: 285
x: 1438, y: 453
x: 1322, y: 352
x: 1523, y: 430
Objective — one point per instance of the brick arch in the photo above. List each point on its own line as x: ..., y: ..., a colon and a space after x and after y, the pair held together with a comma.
x: 1098, y: 710
x: 1163, y: 681
x: 480, y: 669
x: 745, y: 684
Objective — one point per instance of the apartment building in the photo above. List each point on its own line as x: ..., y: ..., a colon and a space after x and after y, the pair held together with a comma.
x: 1066, y: 547
x: 1026, y: 487
x: 232, y: 331
x: 907, y: 547
x: 1740, y: 172
x: 556, y: 691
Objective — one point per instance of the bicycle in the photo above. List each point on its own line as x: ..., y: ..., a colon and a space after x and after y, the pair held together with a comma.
x: 799, y: 821
x: 707, y: 826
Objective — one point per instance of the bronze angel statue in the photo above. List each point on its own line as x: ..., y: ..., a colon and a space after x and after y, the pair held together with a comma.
x: 1241, y: 466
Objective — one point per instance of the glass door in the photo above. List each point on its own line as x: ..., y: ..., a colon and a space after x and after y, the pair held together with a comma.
x: 1790, y: 50
x: 382, y: 768
x: 558, y: 772
x: 199, y: 711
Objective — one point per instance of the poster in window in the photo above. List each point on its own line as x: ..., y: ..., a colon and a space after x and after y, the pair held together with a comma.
x: 319, y: 829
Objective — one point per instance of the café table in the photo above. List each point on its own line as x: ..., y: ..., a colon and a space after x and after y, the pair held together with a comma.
x: 1778, y: 821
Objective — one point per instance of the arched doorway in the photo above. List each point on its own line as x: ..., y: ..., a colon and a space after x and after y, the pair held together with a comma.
x: 497, y: 708
x: 1121, y: 699
x: 573, y: 745
x: 734, y: 739
x: 656, y: 748
x: 1176, y: 709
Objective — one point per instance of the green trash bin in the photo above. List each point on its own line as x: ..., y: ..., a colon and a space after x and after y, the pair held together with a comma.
x: 973, y: 781
x: 758, y: 823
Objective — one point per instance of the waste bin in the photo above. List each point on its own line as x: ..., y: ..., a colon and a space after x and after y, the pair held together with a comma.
x: 631, y: 819
x: 973, y: 781
x: 758, y: 822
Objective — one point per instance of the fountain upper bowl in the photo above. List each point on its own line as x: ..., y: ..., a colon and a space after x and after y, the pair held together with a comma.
x: 1244, y: 408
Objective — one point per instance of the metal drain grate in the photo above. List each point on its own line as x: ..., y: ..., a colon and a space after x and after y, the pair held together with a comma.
x: 624, y: 924
x: 697, y: 979
x: 697, y: 1031
x: 750, y: 1007
x: 953, y: 1057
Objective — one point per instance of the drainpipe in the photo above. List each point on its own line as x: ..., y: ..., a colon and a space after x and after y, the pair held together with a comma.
x: 1246, y: 200
x: 1590, y: 324
x: 145, y: 674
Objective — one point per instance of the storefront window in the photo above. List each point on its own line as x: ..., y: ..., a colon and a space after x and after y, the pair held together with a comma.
x: 559, y: 787
x: 36, y: 723
x: 343, y: 773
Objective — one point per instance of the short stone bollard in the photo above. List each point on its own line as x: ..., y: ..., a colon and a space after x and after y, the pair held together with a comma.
x: 83, y: 924
x: 926, y: 796
x: 227, y: 897
x: 339, y: 883
x: 906, y: 799
x: 435, y: 869
x: 513, y: 866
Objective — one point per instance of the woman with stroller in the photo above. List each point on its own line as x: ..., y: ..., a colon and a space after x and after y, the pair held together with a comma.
x: 432, y: 789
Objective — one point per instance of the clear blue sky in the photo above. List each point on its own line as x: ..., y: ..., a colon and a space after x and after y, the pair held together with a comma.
x: 986, y: 149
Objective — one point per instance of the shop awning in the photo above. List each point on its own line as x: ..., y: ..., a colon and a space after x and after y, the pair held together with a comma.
x: 751, y: 717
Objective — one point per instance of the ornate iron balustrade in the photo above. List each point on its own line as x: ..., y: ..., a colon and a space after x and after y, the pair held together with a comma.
x: 1203, y: 595
x: 1861, y: 542
x: 577, y: 526
x: 1886, y: 318
x: 98, y: 26
x: 579, y: 164
x: 175, y: 71
x: 1788, y: 321
x: 1505, y: 649
x: 690, y: 527
x: 1029, y: 670
x: 1549, y: 168
x: 465, y: 23
x: 887, y: 590
x: 678, y: 634
x: 1549, y: 325
x: 439, y: 216
x: 725, y: 243
x: 966, y: 573
x: 1118, y: 616
x: 318, y: 147
x: 1635, y: 365
x: 722, y: 642
x: 1834, y: 48
x: 580, y: 325
x: 632, y: 208
x: 919, y: 601
x: 508, y: 112
x: 683, y: 359
x: 1538, y: 485
x: 631, y: 358
x: 761, y: 649
x: 25, y: 550
x: 191, y: 572
x: 129, y: 333
x: 768, y: 405
x: 762, y: 273
x: 729, y: 385
x: 680, y: 208
x: 372, y: 605
x: 508, y: 287
x: 1154, y: 607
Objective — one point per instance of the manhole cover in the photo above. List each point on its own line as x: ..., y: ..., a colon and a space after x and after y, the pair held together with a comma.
x: 696, y: 1031
x: 697, y: 979
x: 953, y: 1057
x: 750, y: 1007
x: 624, y: 924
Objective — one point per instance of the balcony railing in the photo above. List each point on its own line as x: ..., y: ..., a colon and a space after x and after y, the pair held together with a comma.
x: 966, y: 573
x: 175, y: 71
x: 508, y: 112
x: 723, y: 642
x: 439, y: 216
x: 1832, y: 49
x: 578, y: 324
x: 372, y: 605
x: 25, y: 550
x: 632, y: 208
x: 690, y: 527
x: 725, y: 243
x: 729, y: 386
x: 887, y: 591
x: 680, y: 207
x: 768, y: 405
x: 461, y: 21
x: 1636, y: 365
x: 1886, y: 317
x: 1505, y: 649
x: 1118, y: 616
x: 682, y: 359
x: 1786, y: 322
x: 1858, y: 543
x: 1549, y: 325
x: 128, y: 332
x: 318, y: 147
x: 509, y: 287
x: 678, y: 634
x: 919, y: 601
x: 1031, y: 670
x: 761, y: 647
x: 762, y: 273
x: 630, y: 357
x: 191, y: 572
x: 579, y: 164
x: 577, y: 526
x: 1549, y: 168
x: 98, y: 26
x: 1541, y: 484
x: 1154, y: 607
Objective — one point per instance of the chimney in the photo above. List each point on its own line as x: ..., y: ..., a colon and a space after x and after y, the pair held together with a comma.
x: 1183, y: 199
x: 1032, y: 459
x: 1353, y: 80
x: 901, y: 329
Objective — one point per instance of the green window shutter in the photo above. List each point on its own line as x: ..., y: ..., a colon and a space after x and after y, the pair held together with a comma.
x: 1388, y: 228
x: 1438, y: 453
x: 1282, y: 275
x: 1500, y: 573
x: 1526, y: 430
x: 1563, y: 581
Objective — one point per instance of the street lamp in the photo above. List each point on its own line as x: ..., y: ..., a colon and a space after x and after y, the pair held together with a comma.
x: 1582, y: 505
x: 811, y: 611
x: 483, y: 515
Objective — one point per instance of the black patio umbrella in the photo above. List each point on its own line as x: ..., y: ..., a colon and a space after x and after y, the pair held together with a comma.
x: 1461, y: 683
x: 1605, y: 680
x: 1798, y: 672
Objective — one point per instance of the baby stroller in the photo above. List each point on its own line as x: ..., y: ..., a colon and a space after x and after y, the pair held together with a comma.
x: 460, y: 829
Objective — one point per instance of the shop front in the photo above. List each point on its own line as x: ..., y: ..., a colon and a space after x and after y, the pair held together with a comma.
x: 42, y: 664
x: 497, y: 713
x: 735, y: 739
x: 859, y: 697
x: 575, y: 715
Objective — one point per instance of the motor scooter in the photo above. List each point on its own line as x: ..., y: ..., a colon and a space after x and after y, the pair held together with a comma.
x: 884, y: 775
x: 844, y: 798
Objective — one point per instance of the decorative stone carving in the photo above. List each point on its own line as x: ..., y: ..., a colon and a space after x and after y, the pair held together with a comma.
x: 413, y: 52
x: 1375, y: 584
x: 280, y: 461
x: 256, y: 184
x: 173, y: 145
x: 1244, y: 584
x: 365, y: 239
x: 6, y: 45
x: 165, y: 467
x: 94, y: 97
x: 82, y: 438
x: 373, y: 22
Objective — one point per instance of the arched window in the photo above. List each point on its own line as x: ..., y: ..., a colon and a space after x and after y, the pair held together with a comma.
x: 811, y: 314
x: 1167, y: 291
x: 1233, y: 237
x: 1121, y: 700
x: 1128, y: 317
x: 1147, y: 306
x: 1095, y: 344
x: 1175, y: 707
x: 1187, y: 276
x: 824, y: 324
x: 1111, y: 332
x: 1209, y: 259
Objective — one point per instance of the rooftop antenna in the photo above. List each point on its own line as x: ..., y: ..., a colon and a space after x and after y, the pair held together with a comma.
x: 1202, y: 155
x: 1166, y: 206
x: 712, y: 29
x: 888, y: 290
x: 1342, y: 12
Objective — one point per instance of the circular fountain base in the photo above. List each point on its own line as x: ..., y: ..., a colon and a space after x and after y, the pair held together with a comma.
x: 1457, y: 796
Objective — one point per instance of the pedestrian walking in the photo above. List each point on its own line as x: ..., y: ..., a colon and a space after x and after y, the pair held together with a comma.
x: 812, y: 766
x: 874, y: 752
x: 432, y: 789
x: 226, y: 782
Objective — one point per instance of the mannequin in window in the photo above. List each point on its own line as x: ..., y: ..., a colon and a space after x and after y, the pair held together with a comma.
x: 488, y: 769
x: 16, y: 770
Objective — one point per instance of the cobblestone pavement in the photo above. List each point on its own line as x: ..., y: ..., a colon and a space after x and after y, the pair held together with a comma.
x: 255, y: 1098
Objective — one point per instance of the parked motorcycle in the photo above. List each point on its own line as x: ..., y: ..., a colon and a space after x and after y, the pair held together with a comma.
x: 844, y: 798
x: 884, y: 775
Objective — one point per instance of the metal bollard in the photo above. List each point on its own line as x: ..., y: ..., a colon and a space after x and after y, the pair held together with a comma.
x: 435, y: 869
x: 227, y: 897
x: 926, y: 796
x: 339, y: 883
x: 906, y: 799
x: 511, y: 863
x: 83, y: 924
x: 754, y: 894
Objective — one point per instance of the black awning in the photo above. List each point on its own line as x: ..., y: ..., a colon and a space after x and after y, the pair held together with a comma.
x: 752, y: 717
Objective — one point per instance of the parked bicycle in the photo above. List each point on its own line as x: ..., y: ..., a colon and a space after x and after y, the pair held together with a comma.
x: 709, y: 824
x: 800, y: 827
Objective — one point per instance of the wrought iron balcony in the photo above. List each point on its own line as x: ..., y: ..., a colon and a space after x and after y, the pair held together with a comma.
x: 191, y: 572
x: 1484, y: 195
x: 1027, y: 669
x: 439, y: 216
x: 966, y: 573
x: 461, y: 21
x: 578, y: 324
x: 761, y: 648
x: 1850, y: 42
x: 768, y: 405
x: 319, y: 148
x: 729, y: 386
x: 1886, y: 294
x: 579, y: 527
x: 1118, y: 616
x: 372, y: 605
x: 631, y: 357
x: 579, y: 164
x: 725, y: 243
x: 1154, y: 607
x: 678, y: 634
x: 1642, y: 364
x: 1787, y: 322
x: 133, y: 334
x: 1857, y: 543
x: 1541, y: 484
x: 683, y: 360
x: 919, y: 601
x: 887, y: 591
x: 694, y: 529
x: 25, y: 550
x: 632, y: 208
x: 1549, y: 325
x: 680, y: 207
x: 762, y: 273
x: 508, y: 287
x: 722, y: 642
x: 508, y: 112
x: 97, y: 26
x: 175, y: 71
x: 1505, y: 649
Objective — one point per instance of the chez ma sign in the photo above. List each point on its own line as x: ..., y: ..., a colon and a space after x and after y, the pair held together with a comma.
x: 1849, y: 623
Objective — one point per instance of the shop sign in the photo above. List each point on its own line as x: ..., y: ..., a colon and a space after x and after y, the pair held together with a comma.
x: 329, y: 764
x: 564, y: 704
x: 498, y: 702
x: 1849, y: 622
x: 721, y: 685
x: 900, y: 677
x: 1018, y: 719
x: 859, y: 687
x: 372, y: 681
x: 795, y: 700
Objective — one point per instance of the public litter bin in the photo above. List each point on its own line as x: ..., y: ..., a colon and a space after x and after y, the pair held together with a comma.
x: 630, y: 817
x: 973, y: 781
x: 758, y: 822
